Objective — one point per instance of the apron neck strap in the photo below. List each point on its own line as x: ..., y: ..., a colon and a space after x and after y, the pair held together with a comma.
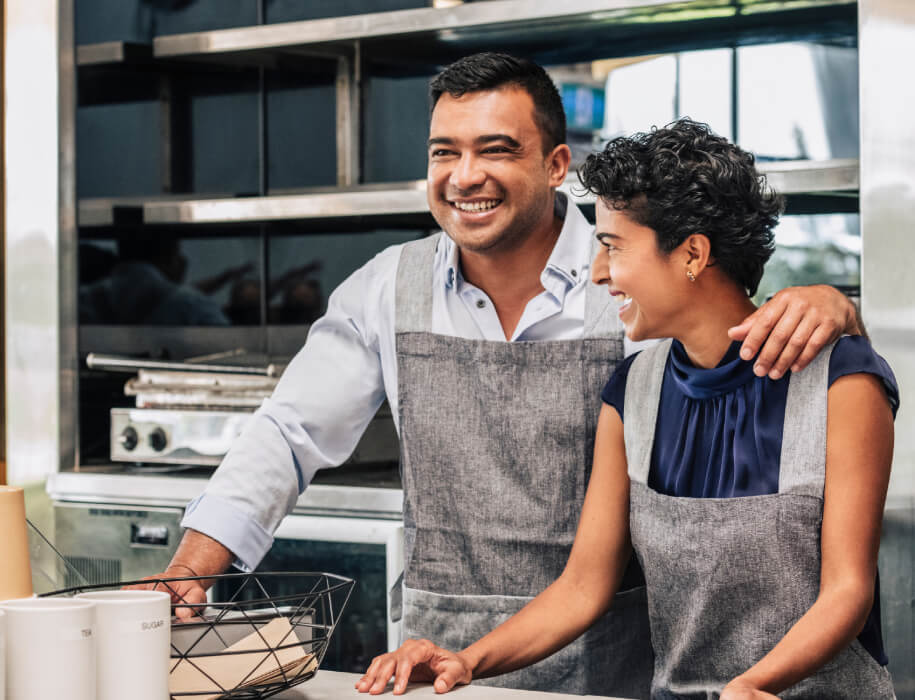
x: 643, y: 394
x: 413, y: 290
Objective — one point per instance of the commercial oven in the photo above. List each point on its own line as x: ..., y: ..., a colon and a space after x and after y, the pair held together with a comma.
x: 113, y: 528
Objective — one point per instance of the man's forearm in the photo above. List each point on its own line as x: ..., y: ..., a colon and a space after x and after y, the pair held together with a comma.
x: 200, y: 555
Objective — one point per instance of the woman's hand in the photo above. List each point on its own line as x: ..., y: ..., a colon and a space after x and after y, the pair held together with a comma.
x: 739, y: 689
x: 416, y: 660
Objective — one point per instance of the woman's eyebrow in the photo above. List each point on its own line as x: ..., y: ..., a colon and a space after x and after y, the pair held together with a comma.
x: 604, y: 236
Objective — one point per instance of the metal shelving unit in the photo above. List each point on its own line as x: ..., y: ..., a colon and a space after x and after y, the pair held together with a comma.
x: 405, y: 202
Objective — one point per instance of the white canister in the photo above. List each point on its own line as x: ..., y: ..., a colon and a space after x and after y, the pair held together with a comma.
x: 50, y: 650
x: 133, y: 643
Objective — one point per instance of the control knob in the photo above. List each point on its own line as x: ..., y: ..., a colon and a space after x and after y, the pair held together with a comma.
x: 158, y: 440
x: 128, y: 438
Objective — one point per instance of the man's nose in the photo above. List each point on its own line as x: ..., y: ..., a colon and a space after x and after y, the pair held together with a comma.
x: 467, y: 173
x: 600, y: 267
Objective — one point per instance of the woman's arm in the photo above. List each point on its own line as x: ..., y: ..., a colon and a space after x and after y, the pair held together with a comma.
x: 562, y: 612
x: 859, y: 450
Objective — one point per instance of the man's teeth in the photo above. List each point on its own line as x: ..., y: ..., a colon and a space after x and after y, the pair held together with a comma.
x: 477, y: 206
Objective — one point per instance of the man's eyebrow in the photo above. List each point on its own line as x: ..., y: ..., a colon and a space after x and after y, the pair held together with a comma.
x: 504, y: 138
x: 479, y: 140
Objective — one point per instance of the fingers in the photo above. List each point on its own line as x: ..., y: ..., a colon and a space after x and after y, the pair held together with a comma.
x: 821, y: 337
x: 448, y: 678
x: 378, y: 674
x: 190, y: 600
x: 789, y: 330
x: 784, y: 344
x: 757, y: 327
x: 409, y: 662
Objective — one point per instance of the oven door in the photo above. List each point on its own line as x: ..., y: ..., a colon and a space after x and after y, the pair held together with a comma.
x: 369, y: 551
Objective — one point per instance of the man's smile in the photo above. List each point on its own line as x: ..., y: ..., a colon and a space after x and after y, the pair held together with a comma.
x: 476, y: 205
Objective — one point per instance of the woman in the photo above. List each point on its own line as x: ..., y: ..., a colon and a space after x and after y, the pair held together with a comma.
x: 753, y: 505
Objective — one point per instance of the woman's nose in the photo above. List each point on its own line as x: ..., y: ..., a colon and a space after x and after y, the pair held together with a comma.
x: 600, y: 268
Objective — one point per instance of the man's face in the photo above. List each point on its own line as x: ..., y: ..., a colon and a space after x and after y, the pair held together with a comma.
x: 489, y: 181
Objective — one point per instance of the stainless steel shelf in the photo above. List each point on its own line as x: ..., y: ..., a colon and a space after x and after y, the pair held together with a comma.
x: 551, y: 32
x: 373, y: 201
x: 112, y: 53
x: 831, y: 177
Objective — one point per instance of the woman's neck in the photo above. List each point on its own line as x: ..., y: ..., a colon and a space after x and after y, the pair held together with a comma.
x: 705, y: 334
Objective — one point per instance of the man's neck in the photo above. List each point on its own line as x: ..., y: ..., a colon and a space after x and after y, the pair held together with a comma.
x: 511, y: 278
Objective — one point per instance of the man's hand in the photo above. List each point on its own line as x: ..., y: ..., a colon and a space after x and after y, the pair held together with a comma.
x: 741, y: 690
x: 416, y: 660
x: 187, y: 596
x: 795, y: 325
x: 197, y: 555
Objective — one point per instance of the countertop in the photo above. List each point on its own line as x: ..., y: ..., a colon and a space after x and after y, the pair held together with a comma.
x: 331, y: 685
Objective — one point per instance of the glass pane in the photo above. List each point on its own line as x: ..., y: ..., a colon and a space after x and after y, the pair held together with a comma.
x: 814, y: 249
x: 163, y: 280
x: 641, y: 95
x: 798, y: 101
x: 304, y: 270
x: 705, y: 89
x: 362, y: 631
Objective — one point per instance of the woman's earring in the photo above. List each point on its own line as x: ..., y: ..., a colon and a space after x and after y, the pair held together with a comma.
x: 690, y: 275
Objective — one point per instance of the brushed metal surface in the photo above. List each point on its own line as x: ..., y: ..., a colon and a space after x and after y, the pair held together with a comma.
x: 887, y: 200
x: 795, y: 177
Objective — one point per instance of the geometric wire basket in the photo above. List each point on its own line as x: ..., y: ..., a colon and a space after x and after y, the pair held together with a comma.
x: 253, y: 645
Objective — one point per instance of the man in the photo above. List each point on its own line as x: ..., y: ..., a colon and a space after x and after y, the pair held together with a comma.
x: 496, y: 436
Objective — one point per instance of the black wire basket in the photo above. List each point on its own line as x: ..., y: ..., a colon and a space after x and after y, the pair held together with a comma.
x: 269, y: 635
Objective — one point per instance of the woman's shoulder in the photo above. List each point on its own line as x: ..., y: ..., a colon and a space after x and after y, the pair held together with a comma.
x: 853, y: 354
x: 614, y: 392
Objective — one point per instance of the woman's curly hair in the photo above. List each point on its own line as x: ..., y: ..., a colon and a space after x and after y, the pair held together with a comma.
x: 683, y: 179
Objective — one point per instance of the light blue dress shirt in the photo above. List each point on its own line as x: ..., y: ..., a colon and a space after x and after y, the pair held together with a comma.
x: 335, y: 384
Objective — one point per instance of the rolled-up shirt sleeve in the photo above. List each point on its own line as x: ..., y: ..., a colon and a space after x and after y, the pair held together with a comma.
x: 321, y: 406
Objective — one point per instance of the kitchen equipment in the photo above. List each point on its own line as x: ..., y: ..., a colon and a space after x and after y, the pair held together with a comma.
x: 257, y: 643
x: 54, y: 653
x: 132, y: 643
x: 189, y: 413
x: 354, y: 531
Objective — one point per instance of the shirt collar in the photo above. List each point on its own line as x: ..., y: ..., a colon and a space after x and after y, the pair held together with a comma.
x: 564, y: 263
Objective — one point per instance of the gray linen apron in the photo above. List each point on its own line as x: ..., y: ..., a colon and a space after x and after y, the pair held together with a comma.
x: 496, y: 448
x: 728, y: 577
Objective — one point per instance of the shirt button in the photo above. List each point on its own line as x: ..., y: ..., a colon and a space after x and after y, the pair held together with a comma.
x: 481, y: 303
x: 574, y: 273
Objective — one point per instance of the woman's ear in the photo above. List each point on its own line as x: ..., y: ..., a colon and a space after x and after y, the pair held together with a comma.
x: 697, y: 254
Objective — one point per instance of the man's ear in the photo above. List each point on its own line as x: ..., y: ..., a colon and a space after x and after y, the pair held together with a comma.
x: 558, y: 161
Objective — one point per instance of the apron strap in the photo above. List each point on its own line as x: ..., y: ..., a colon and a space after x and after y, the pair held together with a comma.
x: 413, y: 290
x: 643, y: 395
x: 802, y: 466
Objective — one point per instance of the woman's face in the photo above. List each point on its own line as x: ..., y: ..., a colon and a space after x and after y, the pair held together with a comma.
x: 650, y: 286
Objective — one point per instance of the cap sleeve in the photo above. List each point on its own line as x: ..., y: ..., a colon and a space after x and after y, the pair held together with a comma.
x: 614, y: 393
x: 854, y: 354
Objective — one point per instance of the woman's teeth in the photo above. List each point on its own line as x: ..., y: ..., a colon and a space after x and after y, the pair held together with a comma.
x: 477, y: 206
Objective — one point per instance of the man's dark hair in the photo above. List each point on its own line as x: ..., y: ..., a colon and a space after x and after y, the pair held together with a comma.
x: 491, y: 71
x: 683, y: 179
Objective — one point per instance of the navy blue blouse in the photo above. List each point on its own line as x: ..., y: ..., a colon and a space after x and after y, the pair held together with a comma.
x: 719, y: 431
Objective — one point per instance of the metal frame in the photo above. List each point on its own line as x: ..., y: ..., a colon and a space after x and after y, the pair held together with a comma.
x: 445, y: 22
x: 887, y: 200
x: 366, y: 201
